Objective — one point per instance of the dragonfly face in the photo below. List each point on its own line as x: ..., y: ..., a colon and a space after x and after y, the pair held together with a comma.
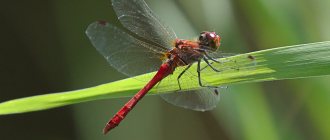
x: 209, y: 41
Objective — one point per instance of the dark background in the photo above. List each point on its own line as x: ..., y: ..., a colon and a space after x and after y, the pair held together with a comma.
x: 44, y: 50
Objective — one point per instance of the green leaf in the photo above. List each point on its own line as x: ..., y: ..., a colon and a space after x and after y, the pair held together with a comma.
x: 288, y: 62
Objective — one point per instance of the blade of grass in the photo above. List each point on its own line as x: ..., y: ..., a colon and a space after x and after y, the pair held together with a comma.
x: 288, y: 62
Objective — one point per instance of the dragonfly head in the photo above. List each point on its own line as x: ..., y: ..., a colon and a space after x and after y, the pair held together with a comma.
x: 209, y: 40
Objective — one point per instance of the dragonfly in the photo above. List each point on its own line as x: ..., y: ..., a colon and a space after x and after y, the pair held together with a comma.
x: 146, y: 44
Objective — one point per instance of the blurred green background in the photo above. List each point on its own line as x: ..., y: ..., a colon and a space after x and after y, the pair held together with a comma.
x: 44, y: 49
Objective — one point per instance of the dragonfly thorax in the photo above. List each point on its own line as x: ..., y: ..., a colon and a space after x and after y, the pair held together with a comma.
x: 185, y: 52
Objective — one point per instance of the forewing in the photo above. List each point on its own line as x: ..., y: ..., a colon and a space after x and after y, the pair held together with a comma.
x: 136, y: 16
x: 220, y: 54
x: 124, y: 52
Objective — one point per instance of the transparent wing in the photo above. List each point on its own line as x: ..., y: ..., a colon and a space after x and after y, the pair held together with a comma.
x: 124, y: 52
x: 220, y: 54
x: 136, y: 16
x: 243, y: 62
x: 203, y: 99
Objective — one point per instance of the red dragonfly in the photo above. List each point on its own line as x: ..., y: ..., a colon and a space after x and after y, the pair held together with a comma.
x: 148, y: 45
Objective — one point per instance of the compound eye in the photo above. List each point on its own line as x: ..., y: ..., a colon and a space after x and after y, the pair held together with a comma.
x: 202, y: 37
x: 212, y: 35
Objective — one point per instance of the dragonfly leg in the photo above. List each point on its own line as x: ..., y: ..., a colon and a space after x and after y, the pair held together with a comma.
x: 199, y: 76
x: 199, y: 73
x: 209, y: 57
x: 206, y: 66
x: 208, y: 63
x: 178, y: 79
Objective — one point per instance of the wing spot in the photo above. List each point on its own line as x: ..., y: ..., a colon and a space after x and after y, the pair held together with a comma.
x: 102, y: 22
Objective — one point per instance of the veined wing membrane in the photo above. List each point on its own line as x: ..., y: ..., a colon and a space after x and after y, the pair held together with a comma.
x: 136, y: 16
x: 202, y: 99
x: 124, y: 52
